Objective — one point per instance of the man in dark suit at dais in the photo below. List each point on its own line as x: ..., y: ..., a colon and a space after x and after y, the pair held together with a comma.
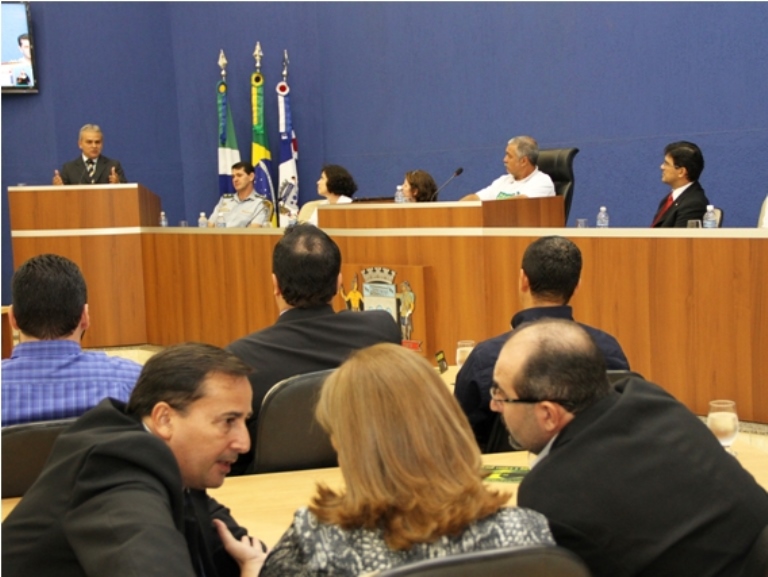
x: 308, y: 335
x: 91, y: 167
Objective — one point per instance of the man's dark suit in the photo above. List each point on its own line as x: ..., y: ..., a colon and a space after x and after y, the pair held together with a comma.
x: 691, y: 205
x: 110, y: 502
x: 75, y: 172
x: 304, y: 341
x: 474, y: 380
x: 638, y: 486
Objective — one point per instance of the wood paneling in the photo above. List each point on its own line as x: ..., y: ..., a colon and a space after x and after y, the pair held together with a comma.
x: 113, y: 270
x: 691, y: 312
x: 67, y: 207
x: 530, y: 212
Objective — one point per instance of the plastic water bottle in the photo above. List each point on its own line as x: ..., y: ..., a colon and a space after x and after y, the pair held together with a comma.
x: 202, y: 222
x: 399, y: 197
x: 710, y: 218
x: 163, y: 218
x: 220, y: 222
x: 602, y: 218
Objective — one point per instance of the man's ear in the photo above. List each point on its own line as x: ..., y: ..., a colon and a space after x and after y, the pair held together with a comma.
x: 338, y: 282
x: 524, y: 285
x: 85, y: 318
x: 275, y: 286
x: 161, y: 418
x: 552, y: 417
x: 12, y: 318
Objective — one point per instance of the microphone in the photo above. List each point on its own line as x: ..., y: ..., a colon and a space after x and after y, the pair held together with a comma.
x: 456, y: 173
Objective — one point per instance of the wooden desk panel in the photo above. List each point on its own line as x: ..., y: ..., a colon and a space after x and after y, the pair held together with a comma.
x: 690, y: 313
x: 91, y: 206
x: 531, y: 212
x: 113, y: 270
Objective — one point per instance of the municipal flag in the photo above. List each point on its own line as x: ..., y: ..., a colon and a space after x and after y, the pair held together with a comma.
x: 288, y: 177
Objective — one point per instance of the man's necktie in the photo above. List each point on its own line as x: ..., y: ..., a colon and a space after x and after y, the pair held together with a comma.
x: 91, y: 168
x: 663, y: 210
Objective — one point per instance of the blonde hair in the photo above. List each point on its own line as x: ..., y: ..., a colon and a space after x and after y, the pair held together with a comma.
x: 406, y: 451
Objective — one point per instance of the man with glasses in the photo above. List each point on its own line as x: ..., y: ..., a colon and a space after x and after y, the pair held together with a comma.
x: 549, y: 276
x: 629, y: 479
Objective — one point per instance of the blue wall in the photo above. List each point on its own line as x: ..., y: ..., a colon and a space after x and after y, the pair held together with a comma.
x: 387, y: 87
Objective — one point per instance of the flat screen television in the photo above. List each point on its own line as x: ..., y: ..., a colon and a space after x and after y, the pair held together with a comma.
x: 18, y: 72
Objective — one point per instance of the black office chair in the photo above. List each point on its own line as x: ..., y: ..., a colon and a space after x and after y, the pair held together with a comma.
x: 517, y: 561
x: 614, y: 376
x: 558, y: 164
x: 26, y: 448
x: 288, y: 438
x: 757, y: 558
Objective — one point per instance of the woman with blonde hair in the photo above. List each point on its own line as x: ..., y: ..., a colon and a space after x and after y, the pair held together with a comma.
x: 412, y: 470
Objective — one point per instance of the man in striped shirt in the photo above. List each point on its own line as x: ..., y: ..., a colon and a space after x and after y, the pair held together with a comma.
x: 48, y: 375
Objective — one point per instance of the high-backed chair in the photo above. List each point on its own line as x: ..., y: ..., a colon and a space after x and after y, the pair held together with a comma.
x: 26, y: 448
x: 506, y: 562
x: 719, y: 217
x: 558, y: 164
x: 288, y: 438
x: 762, y: 220
x: 757, y: 559
x: 615, y: 376
x: 308, y: 209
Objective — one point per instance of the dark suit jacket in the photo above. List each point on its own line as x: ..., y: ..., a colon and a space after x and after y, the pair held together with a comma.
x: 110, y: 502
x: 691, y: 205
x: 638, y: 486
x: 75, y: 172
x: 304, y: 341
x: 474, y: 380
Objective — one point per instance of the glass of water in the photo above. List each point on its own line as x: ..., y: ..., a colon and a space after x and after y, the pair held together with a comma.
x: 463, y: 348
x: 723, y: 421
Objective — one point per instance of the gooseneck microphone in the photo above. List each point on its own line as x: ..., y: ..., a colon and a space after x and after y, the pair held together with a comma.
x: 456, y: 173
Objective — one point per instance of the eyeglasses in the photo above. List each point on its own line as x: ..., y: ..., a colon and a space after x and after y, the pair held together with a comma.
x: 496, y: 397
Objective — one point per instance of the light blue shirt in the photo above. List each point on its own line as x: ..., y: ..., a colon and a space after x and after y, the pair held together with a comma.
x: 45, y: 380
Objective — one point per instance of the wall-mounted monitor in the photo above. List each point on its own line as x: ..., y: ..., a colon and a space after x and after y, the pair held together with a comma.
x: 18, y: 72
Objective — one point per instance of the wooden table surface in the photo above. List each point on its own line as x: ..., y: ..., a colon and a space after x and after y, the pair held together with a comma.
x: 265, y: 503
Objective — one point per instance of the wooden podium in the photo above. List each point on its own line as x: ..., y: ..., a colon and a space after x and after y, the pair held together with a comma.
x: 97, y: 227
x: 524, y: 212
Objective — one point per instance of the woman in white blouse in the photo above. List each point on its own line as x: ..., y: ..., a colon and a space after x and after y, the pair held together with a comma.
x: 336, y: 185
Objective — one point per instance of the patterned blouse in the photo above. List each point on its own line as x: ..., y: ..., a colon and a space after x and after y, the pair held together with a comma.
x: 310, y: 547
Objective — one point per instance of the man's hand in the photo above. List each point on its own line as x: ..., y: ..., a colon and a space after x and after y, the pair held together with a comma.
x: 250, y: 557
x: 57, y: 178
x: 113, y: 178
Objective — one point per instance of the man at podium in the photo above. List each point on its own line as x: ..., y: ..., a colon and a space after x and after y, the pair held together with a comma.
x: 91, y: 167
x: 523, y: 178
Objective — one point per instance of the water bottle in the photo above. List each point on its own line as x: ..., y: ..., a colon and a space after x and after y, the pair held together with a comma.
x: 710, y: 218
x: 602, y: 218
x: 399, y: 197
x: 220, y: 222
x: 163, y: 218
x: 202, y: 222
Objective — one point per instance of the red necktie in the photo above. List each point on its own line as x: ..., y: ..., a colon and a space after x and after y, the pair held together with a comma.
x: 663, y: 210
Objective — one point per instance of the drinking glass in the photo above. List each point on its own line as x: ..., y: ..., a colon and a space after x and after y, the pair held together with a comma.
x: 463, y: 348
x: 694, y: 224
x: 723, y: 421
x: 581, y: 223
